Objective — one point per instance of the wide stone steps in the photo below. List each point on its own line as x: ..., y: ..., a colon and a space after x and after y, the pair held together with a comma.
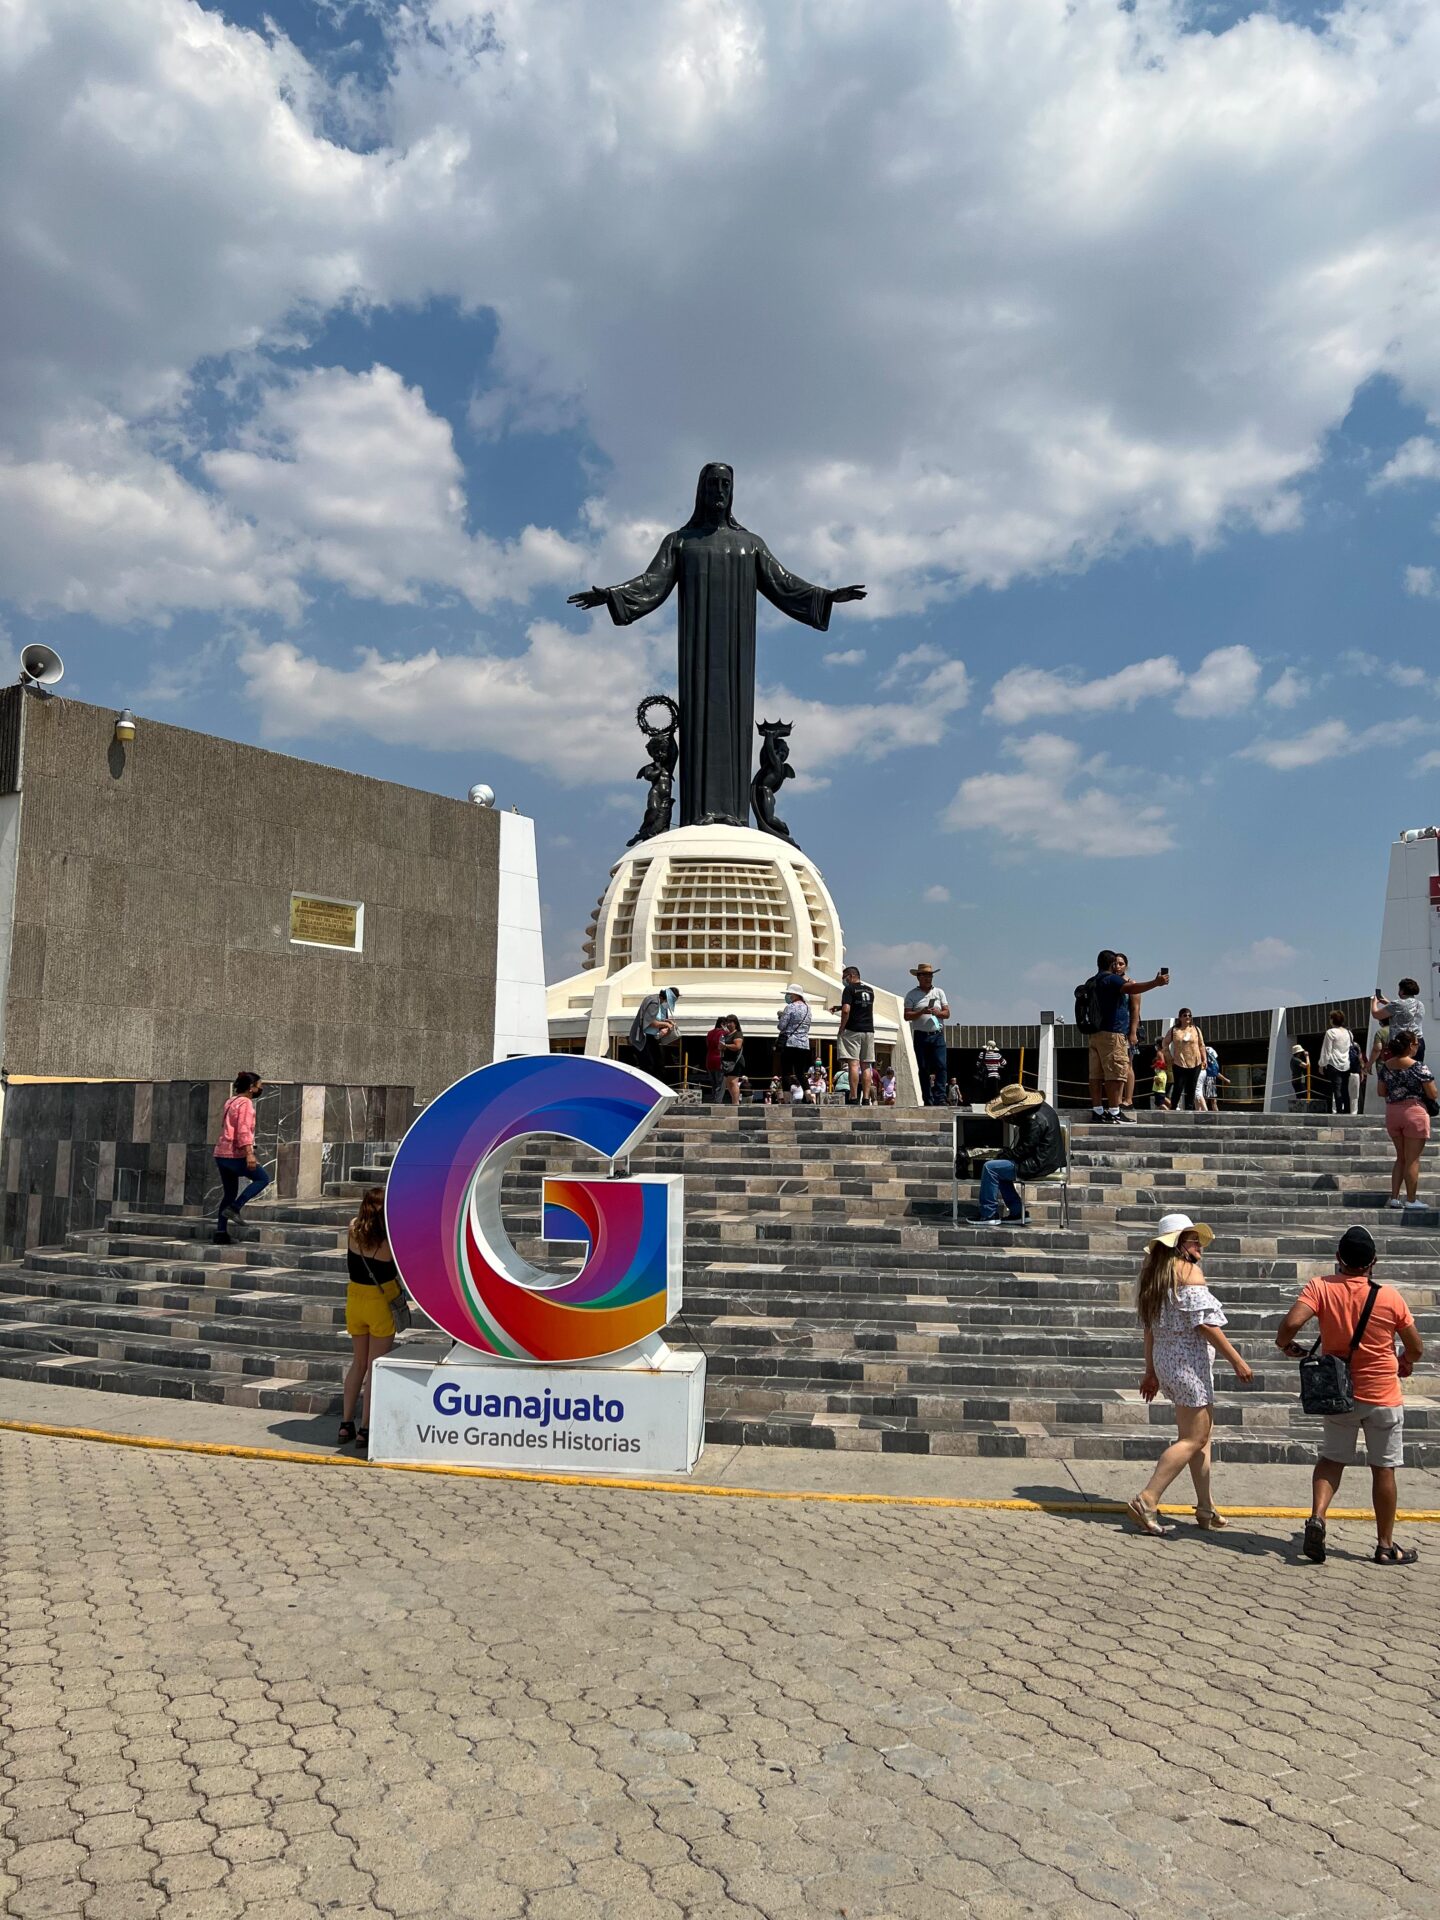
x: 837, y: 1305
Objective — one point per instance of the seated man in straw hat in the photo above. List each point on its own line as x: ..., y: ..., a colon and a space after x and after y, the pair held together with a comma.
x: 1036, y: 1147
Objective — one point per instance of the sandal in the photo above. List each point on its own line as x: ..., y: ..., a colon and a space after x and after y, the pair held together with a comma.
x: 1313, y: 1545
x: 1146, y: 1518
x: 1210, y: 1520
x: 362, y: 1440
x: 1393, y: 1556
x: 346, y: 1433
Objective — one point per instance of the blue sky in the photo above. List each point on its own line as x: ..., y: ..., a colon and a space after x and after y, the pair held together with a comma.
x: 341, y: 343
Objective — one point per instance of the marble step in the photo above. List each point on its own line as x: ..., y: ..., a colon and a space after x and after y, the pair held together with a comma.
x: 1020, y: 1440
x: 938, y: 1403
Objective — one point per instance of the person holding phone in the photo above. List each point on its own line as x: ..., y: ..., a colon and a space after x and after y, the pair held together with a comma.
x: 1115, y: 994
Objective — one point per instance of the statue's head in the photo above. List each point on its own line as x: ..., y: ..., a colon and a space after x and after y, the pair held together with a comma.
x: 715, y: 493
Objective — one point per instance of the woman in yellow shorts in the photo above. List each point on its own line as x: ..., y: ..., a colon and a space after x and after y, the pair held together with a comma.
x: 374, y: 1279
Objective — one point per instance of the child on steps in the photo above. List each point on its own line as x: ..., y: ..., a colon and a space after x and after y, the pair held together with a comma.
x: 1183, y: 1324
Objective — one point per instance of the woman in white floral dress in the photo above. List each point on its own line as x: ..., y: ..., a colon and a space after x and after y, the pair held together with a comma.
x: 1183, y: 1324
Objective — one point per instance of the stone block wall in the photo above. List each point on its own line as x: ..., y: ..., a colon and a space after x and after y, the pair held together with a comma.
x: 71, y: 1151
x: 145, y: 911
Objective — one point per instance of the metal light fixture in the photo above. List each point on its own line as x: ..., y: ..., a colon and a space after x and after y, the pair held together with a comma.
x: 482, y: 796
x: 124, y: 726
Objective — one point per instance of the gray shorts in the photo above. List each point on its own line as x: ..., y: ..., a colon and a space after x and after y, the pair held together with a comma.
x: 857, y: 1046
x: 1384, y: 1430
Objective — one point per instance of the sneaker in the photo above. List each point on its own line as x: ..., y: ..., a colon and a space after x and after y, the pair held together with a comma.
x: 1014, y: 1220
x: 987, y: 1219
x: 1097, y: 1113
x: 1416, y: 1206
x: 1124, y: 1114
x: 1394, y: 1205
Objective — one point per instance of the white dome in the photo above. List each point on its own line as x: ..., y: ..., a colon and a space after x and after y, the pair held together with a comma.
x: 717, y: 900
x: 731, y: 917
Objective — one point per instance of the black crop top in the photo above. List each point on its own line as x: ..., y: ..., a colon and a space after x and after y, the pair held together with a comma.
x: 380, y: 1272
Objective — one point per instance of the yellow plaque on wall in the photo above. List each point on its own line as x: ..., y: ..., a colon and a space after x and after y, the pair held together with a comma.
x: 325, y: 923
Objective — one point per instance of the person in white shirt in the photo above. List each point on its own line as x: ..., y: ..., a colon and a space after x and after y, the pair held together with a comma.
x: 926, y: 1011
x: 793, y: 1025
x: 1335, y: 1061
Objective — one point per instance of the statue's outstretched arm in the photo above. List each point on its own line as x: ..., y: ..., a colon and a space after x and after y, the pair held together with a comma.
x: 633, y: 599
x: 808, y: 604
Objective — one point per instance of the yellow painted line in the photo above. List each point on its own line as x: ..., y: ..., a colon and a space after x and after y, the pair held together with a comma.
x: 156, y: 1443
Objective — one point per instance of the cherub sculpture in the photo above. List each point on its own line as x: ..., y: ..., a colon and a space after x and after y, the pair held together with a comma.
x: 659, y: 769
x: 775, y: 769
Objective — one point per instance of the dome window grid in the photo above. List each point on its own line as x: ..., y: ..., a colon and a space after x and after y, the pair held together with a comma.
x: 721, y: 915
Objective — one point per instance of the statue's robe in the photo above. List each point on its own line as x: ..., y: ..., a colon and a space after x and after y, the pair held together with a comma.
x: 718, y: 570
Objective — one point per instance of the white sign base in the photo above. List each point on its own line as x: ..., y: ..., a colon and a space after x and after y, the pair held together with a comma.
x: 635, y: 1417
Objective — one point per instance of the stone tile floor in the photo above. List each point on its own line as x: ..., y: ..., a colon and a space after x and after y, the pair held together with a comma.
x: 232, y: 1688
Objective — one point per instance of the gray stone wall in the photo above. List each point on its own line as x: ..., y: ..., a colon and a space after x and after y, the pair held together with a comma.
x: 152, y: 897
x: 72, y: 1153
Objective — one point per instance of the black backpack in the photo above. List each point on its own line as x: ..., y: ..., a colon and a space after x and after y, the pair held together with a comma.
x: 1089, y: 1015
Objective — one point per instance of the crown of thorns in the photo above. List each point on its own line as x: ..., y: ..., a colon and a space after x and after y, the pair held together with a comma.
x: 642, y: 713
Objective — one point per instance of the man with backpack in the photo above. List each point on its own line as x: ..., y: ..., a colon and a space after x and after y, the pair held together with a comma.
x: 1359, y: 1323
x: 1102, y: 1010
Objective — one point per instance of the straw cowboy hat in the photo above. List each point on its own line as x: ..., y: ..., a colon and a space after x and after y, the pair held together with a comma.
x: 924, y: 967
x: 1172, y: 1225
x: 1012, y: 1100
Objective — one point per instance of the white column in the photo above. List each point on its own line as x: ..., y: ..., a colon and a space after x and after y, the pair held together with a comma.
x: 1277, y: 1065
x: 520, y: 1025
x: 1045, y: 1068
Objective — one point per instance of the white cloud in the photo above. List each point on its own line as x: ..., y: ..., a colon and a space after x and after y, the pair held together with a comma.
x: 565, y: 704
x: 362, y: 483
x: 1106, y: 281
x: 1288, y: 690
x: 1047, y: 804
x: 931, y: 675
x: 1267, y: 955
x: 1224, y: 681
x: 1418, y: 459
x: 851, y: 657
x: 96, y: 523
x: 1330, y: 740
x: 1033, y: 693
x: 1422, y: 582
x: 936, y: 896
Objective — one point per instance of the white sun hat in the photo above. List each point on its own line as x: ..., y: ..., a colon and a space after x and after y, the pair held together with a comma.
x: 1172, y: 1225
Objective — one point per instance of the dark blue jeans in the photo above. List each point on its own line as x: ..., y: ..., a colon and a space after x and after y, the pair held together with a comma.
x: 931, y: 1058
x: 232, y: 1172
x: 997, y: 1182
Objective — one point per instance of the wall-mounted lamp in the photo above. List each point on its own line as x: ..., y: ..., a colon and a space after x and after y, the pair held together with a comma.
x: 482, y: 796
x: 124, y: 726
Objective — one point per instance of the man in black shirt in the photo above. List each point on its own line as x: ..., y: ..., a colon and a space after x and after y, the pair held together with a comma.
x: 856, y: 1038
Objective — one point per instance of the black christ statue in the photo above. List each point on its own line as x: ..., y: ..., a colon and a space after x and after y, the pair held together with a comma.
x: 718, y: 566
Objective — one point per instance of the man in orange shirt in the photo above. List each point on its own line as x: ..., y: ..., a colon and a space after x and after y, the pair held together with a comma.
x: 1337, y: 1301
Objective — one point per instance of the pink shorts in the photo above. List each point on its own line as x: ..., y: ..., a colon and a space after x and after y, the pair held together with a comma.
x: 1407, y: 1120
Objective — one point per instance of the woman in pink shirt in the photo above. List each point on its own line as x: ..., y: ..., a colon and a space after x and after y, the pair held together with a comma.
x: 235, y: 1153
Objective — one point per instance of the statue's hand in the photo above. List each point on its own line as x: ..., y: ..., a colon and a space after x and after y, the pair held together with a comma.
x: 592, y: 597
x: 848, y: 593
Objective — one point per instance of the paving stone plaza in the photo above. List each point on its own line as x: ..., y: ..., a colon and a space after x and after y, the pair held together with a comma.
x: 234, y: 1688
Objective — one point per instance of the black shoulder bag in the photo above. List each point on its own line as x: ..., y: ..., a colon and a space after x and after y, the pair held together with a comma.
x: 1325, y: 1383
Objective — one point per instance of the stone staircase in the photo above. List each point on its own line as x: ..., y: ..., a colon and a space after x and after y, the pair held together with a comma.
x: 837, y: 1305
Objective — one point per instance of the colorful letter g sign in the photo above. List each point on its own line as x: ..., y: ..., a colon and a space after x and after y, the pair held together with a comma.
x: 442, y: 1210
